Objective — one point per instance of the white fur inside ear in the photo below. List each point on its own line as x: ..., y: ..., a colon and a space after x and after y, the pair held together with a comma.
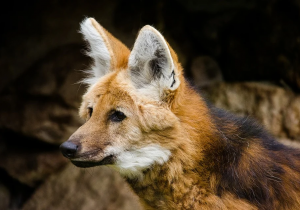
x: 97, y: 50
x: 132, y: 163
x: 151, y: 65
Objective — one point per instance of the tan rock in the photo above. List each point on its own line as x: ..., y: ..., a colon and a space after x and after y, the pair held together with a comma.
x: 30, y: 162
x: 77, y: 189
x: 276, y: 108
x: 47, y: 120
x: 292, y: 118
x: 288, y: 142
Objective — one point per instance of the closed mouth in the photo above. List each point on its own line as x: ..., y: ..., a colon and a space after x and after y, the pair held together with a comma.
x: 109, y: 160
x: 88, y: 154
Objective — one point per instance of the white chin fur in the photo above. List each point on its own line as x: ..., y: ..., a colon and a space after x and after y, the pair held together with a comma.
x: 132, y: 163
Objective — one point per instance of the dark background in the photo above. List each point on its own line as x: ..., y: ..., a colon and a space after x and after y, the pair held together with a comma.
x: 243, y: 55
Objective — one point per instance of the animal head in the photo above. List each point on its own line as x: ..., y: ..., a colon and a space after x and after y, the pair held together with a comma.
x: 130, y: 104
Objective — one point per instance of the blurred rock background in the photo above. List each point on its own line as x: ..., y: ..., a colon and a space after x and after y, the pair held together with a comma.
x: 242, y: 55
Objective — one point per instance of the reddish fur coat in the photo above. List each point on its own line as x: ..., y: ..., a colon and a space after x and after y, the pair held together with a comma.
x: 216, y: 161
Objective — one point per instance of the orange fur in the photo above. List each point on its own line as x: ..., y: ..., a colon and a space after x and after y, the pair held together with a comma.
x: 202, y: 152
x: 119, y: 52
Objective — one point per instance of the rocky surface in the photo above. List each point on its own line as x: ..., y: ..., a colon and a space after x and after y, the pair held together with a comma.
x: 276, y: 108
x: 29, y: 161
x: 43, y: 102
x: 73, y: 188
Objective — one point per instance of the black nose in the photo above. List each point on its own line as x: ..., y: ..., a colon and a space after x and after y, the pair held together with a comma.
x: 68, y: 149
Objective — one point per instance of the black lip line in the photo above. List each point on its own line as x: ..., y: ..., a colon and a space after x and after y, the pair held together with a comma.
x: 87, y: 154
x: 109, y: 160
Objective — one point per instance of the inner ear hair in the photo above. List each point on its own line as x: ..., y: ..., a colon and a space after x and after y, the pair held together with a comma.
x: 158, y: 63
x: 151, y: 65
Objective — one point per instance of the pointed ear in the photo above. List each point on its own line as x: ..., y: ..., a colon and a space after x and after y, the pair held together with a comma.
x: 151, y: 64
x: 107, y: 52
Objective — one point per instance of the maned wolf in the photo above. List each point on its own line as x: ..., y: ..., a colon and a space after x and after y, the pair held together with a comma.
x: 175, y: 151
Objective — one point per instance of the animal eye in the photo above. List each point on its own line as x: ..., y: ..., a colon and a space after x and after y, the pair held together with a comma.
x: 117, y: 116
x: 90, y: 111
